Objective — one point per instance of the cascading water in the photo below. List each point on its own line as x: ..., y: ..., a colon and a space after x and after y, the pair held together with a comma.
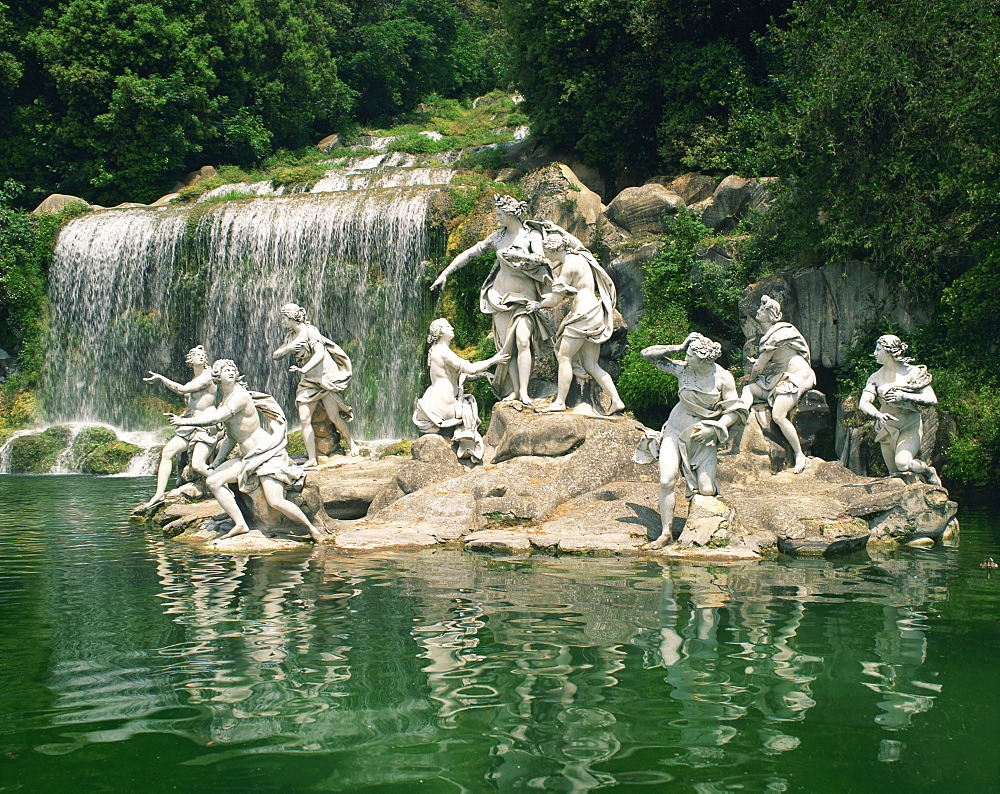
x: 133, y: 289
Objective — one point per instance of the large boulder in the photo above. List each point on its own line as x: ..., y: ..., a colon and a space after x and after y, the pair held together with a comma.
x: 348, y: 486
x: 542, y: 463
x: 640, y: 210
x: 57, y: 202
x: 556, y: 194
x: 732, y: 199
x: 626, y: 270
x: 692, y: 187
x: 432, y: 461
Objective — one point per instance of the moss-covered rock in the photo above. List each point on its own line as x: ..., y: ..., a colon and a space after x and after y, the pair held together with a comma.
x: 89, y: 439
x: 97, y: 450
x: 37, y: 453
x: 110, y: 458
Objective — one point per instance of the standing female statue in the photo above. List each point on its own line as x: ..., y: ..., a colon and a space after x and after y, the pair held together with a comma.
x: 708, y: 407
x: 510, y: 295
x: 781, y: 373
x: 325, y: 370
x: 902, y: 387
x: 445, y: 403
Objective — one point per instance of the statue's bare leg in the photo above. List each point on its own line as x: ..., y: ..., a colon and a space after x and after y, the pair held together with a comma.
x: 889, y: 456
x: 200, y: 453
x: 568, y: 347
x: 590, y: 354
x: 274, y: 493
x: 308, y: 434
x: 783, y: 404
x: 218, y: 483
x: 669, y: 467
x: 905, y: 461
x: 333, y: 412
x: 522, y: 337
x: 173, y: 447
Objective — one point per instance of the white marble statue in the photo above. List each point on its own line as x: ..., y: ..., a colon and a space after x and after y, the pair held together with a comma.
x: 510, y: 295
x: 590, y: 320
x: 902, y: 388
x: 708, y: 407
x: 781, y: 373
x: 445, y: 403
x: 325, y: 372
x: 254, y: 425
x: 199, y: 442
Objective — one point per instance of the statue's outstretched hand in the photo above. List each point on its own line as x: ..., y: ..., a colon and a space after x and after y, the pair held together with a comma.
x: 439, y: 282
x: 153, y: 376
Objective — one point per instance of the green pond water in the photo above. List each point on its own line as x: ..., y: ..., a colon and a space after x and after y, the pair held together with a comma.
x: 132, y: 663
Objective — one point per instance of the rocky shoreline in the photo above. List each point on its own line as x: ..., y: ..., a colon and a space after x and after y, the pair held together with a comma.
x: 566, y: 484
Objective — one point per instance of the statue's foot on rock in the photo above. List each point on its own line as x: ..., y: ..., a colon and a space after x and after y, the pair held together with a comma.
x: 660, y: 543
x: 800, y: 464
x: 552, y: 408
x: 239, y: 529
x: 932, y: 476
x: 616, y: 408
x: 317, y: 534
x: 310, y: 463
x: 154, y: 501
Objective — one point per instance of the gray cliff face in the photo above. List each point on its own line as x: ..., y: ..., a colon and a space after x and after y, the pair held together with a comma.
x: 833, y: 304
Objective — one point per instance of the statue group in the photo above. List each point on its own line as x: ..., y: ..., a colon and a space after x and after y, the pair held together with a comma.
x: 234, y: 436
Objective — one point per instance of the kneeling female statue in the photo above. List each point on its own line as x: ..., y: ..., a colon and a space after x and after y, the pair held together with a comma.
x: 902, y: 388
x: 445, y: 404
x: 708, y: 407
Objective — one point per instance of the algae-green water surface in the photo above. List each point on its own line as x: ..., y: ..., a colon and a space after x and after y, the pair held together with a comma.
x: 128, y: 662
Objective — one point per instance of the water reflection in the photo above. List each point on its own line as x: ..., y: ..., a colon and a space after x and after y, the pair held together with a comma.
x: 557, y: 674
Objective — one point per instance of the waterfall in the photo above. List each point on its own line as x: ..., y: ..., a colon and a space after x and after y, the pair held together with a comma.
x: 132, y: 289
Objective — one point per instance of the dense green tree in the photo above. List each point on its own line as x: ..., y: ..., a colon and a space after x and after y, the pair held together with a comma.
x: 111, y: 99
x: 636, y: 84
x: 397, y: 53
x: 890, y: 130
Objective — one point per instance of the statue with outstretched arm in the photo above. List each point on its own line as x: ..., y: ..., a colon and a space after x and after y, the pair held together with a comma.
x: 510, y: 295
x: 262, y: 461
x: 198, y: 441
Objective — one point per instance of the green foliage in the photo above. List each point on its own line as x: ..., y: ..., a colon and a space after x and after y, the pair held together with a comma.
x: 891, y: 114
x: 975, y: 406
x: 291, y: 175
x: 672, y: 304
x: 422, y: 144
x: 296, y: 446
x: 600, y: 75
x: 97, y: 450
x: 25, y: 249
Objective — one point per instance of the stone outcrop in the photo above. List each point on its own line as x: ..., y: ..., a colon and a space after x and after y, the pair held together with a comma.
x: 567, y: 484
x: 626, y: 270
x: 732, y: 199
x: 329, y: 143
x: 640, y: 210
x: 692, y: 187
x: 57, y: 202
x: 556, y: 194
